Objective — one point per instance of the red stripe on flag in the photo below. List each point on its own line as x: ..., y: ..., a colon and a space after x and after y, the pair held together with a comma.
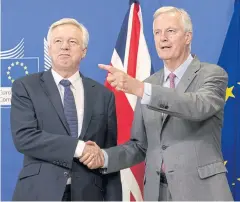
x: 138, y: 171
x: 124, y: 115
x: 134, y: 41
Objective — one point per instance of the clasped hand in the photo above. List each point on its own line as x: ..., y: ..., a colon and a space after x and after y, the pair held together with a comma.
x: 92, y: 156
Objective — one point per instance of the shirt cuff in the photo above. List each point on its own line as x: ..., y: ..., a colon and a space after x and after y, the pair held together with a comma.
x: 147, y: 94
x: 105, y: 159
x: 79, y: 149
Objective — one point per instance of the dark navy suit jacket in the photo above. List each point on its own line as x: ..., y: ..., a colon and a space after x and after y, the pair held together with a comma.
x: 41, y: 133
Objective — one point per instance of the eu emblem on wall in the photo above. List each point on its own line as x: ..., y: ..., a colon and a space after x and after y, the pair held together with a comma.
x: 13, y: 66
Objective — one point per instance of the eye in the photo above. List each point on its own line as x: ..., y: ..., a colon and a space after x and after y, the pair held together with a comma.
x: 58, y: 41
x: 171, y: 31
x: 73, y: 42
x: 156, y: 32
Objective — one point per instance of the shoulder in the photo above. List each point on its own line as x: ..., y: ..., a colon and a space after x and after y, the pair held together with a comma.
x: 212, y: 69
x: 30, y: 79
x: 99, y: 87
x: 154, y: 76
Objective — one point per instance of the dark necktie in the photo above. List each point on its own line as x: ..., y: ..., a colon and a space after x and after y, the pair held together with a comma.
x: 70, y: 109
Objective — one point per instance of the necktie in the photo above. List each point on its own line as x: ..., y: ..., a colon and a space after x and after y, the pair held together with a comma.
x: 70, y: 110
x: 171, y: 77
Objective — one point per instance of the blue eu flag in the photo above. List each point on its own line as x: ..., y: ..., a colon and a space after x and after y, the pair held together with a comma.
x: 230, y: 61
x: 13, y: 68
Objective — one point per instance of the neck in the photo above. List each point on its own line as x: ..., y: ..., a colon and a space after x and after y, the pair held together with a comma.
x: 173, y: 64
x: 65, y: 73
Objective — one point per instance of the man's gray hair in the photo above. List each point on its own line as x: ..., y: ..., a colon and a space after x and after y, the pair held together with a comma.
x: 186, y: 20
x: 71, y: 21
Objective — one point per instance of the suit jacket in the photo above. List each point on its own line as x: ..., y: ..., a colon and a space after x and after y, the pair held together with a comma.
x: 41, y: 133
x: 187, y: 139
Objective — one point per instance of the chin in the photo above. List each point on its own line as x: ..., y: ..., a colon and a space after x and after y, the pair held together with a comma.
x: 164, y: 56
x: 65, y: 65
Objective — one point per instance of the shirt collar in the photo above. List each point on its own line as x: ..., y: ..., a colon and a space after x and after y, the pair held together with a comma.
x: 73, y: 79
x: 180, y: 70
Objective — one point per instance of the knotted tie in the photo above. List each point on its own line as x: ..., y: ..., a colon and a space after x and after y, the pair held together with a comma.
x: 70, y: 109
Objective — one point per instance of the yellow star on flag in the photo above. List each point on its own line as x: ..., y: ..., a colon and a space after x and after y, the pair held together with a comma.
x: 229, y: 93
x: 238, y: 179
x: 225, y: 162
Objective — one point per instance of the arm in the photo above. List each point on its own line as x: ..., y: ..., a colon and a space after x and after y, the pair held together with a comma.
x: 133, y: 151
x: 196, y: 106
x: 113, y: 189
x: 29, y: 139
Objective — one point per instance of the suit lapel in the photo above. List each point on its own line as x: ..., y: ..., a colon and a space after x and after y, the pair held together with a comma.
x: 89, y: 95
x: 188, y: 76
x: 49, y: 86
x: 159, y: 77
x: 186, y: 79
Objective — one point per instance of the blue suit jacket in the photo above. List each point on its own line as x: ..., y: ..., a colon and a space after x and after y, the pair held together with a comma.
x: 41, y: 133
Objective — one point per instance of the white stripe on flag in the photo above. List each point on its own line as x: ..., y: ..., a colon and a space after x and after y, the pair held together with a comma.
x: 129, y: 32
x: 130, y: 185
x: 143, y: 59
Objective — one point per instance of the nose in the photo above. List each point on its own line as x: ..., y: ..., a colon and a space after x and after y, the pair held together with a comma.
x: 163, y: 36
x: 65, y: 45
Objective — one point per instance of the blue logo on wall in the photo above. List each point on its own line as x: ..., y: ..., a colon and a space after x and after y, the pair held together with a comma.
x: 13, y: 66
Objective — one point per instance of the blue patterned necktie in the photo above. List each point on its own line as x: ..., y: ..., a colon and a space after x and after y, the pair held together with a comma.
x: 70, y: 110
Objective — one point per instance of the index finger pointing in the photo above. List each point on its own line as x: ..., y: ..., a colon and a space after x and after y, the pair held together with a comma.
x: 109, y: 68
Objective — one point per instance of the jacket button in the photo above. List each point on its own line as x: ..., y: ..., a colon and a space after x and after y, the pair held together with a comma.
x: 65, y: 174
x: 164, y: 147
x: 166, y: 107
x: 162, y: 105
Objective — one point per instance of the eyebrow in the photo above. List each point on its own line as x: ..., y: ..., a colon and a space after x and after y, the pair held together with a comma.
x: 72, y: 38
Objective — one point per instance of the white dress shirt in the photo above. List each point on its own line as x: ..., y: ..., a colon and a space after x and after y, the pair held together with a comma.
x: 78, y: 93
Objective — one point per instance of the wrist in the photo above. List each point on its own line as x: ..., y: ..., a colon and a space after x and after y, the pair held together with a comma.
x: 140, y: 89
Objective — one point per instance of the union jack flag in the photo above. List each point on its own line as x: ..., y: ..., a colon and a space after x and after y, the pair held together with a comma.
x: 131, y: 56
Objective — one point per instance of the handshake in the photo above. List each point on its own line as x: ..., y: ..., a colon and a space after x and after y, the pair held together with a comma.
x: 92, y: 156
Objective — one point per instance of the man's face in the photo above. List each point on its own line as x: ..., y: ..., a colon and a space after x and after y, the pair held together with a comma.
x: 171, y: 40
x: 66, y: 47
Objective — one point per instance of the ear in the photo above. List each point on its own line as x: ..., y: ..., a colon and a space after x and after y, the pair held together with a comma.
x: 84, y: 53
x: 188, y: 37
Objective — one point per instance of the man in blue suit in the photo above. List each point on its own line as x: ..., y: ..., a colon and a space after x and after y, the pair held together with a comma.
x: 53, y: 114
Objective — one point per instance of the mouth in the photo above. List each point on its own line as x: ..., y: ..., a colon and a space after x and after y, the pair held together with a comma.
x: 64, y: 55
x: 165, y: 47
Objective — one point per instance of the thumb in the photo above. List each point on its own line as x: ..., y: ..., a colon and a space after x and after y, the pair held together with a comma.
x: 89, y: 142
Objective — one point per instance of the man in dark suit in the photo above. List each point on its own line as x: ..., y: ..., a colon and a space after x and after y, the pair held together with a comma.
x: 53, y: 114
